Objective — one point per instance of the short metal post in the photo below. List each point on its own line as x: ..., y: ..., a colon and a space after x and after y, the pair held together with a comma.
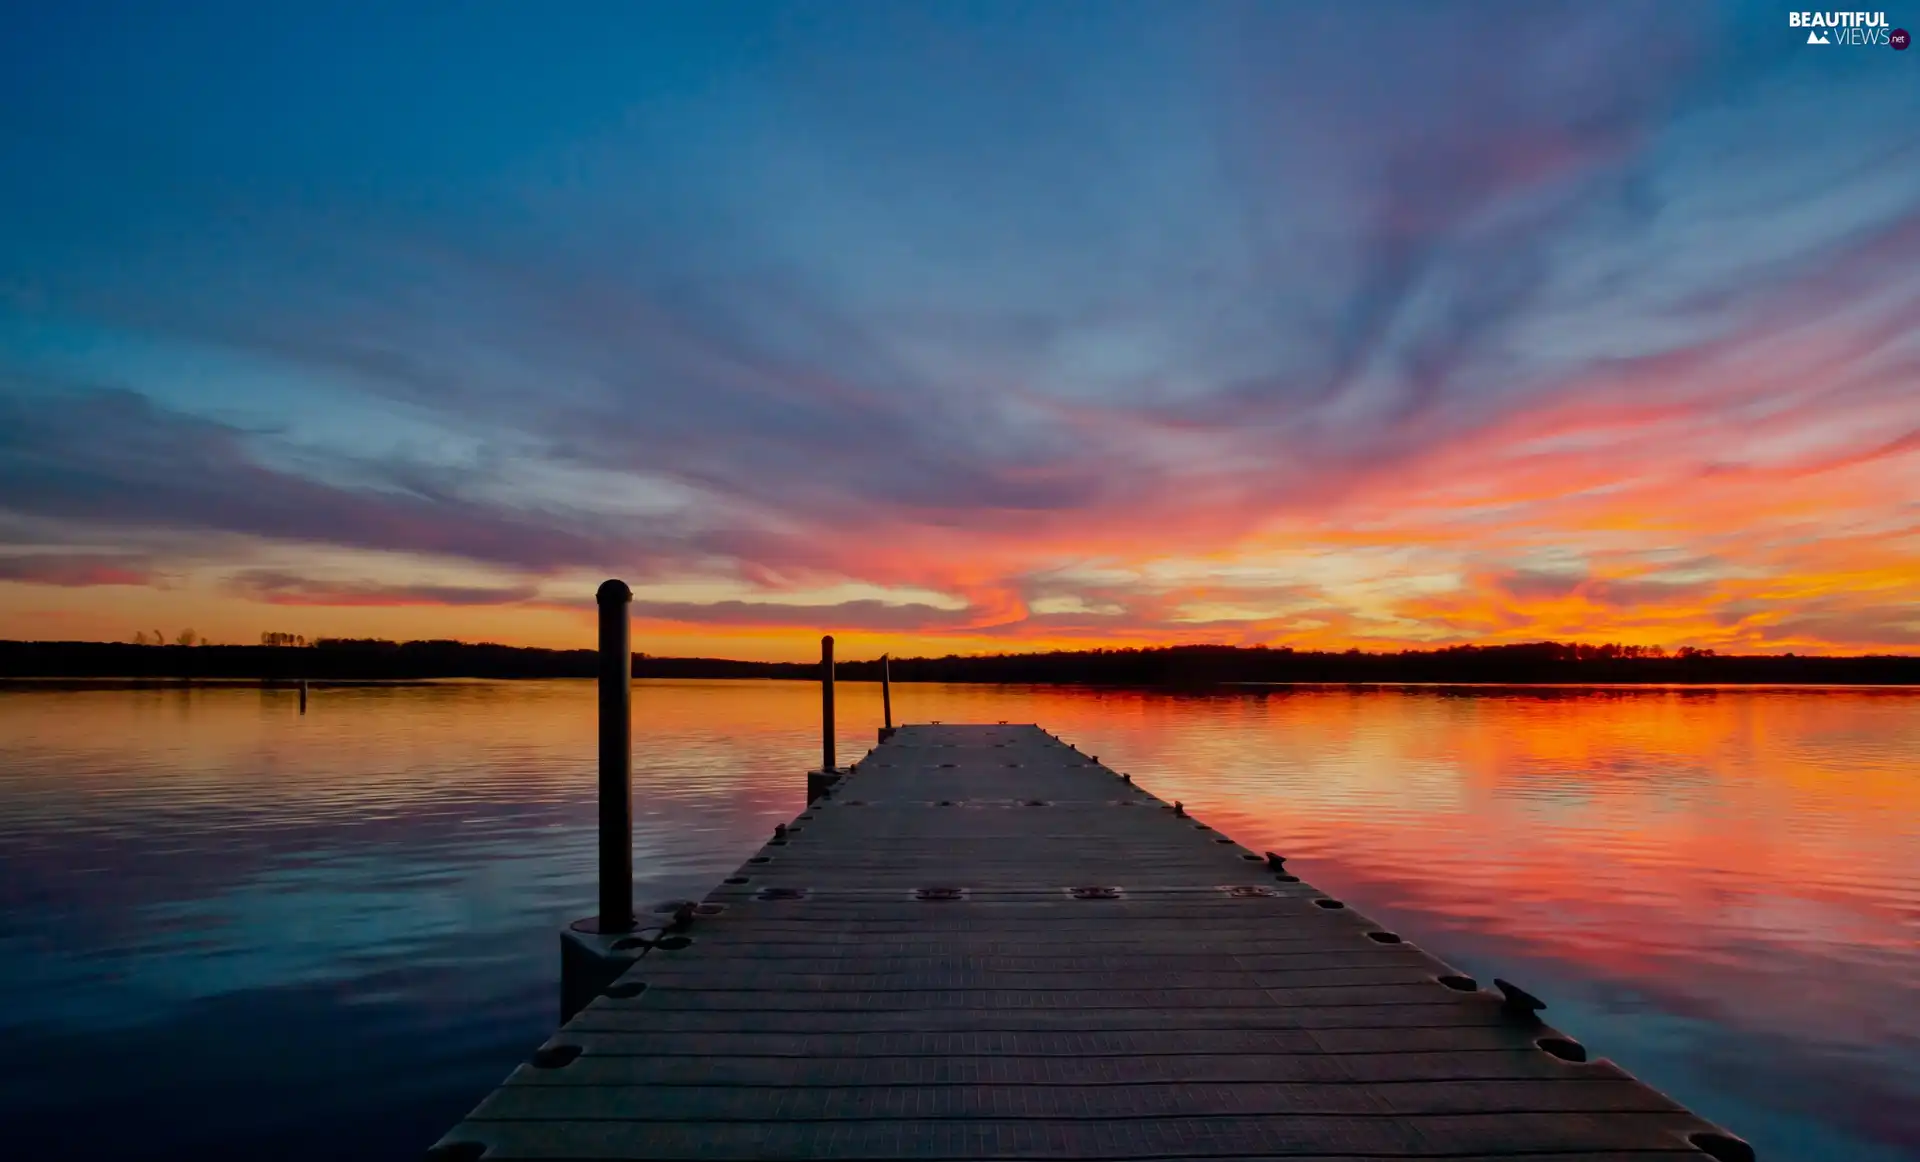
x: 616, y: 757
x: 303, y: 695
x: 826, y: 704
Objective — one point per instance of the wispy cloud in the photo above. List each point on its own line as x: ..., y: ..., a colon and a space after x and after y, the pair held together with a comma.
x: 116, y: 458
x: 78, y: 569
x: 276, y: 588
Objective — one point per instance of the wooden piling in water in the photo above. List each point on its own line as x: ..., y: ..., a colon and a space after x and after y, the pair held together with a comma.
x: 982, y: 944
x: 616, y: 757
x: 886, y: 699
x: 822, y: 780
x: 596, y: 950
x: 826, y: 703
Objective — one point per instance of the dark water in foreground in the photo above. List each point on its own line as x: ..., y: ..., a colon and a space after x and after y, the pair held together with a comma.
x: 227, y: 930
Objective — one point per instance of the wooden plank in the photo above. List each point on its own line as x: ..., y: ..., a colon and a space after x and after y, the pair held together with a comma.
x: 1184, y: 1097
x: 1122, y: 1041
x: 615, y: 1017
x: 802, y: 960
x: 1008, y: 1069
x: 1210, y: 1010
x: 1282, y: 1136
x: 870, y: 977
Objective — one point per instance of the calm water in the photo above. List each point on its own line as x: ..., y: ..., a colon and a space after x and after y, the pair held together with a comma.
x: 227, y: 929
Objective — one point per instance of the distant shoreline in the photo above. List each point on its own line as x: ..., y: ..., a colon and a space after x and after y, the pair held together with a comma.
x: 384, y: 662
x: 8, y: 683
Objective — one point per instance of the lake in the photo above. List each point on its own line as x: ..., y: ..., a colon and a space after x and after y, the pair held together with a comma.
x: 229, y: 929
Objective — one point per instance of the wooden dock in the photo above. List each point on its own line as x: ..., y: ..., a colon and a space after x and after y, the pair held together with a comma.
x: 984, y: 944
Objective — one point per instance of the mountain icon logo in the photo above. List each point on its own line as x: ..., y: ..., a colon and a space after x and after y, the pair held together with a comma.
x: 1817, y: 38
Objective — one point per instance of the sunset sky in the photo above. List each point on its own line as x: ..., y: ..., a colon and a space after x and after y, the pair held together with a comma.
x: 955, y: 327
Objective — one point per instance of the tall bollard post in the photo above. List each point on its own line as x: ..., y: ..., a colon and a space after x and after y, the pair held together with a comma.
x: 826, y: 704
x: 616, y: 758
x: 886, y: 699
x: 594, y: 952
x: 821, y: 781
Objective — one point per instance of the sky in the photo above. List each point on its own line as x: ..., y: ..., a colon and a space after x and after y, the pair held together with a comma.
x: 960, y: 327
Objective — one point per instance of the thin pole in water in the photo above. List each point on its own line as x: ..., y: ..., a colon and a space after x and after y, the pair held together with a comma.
x: 303, y: 695
x: 616, y: 757
x: 826, y: 704
x: 886, y: 690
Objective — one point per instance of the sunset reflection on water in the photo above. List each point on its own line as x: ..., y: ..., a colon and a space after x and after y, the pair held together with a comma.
x: 1715, y: 887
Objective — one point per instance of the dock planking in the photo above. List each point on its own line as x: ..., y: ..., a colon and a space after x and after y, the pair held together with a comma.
x: 984, y: 944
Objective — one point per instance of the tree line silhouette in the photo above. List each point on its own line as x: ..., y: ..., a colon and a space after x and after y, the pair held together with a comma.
x: 284, y: 657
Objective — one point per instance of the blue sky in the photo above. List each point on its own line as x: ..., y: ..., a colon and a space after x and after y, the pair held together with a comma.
x: 959, y: 326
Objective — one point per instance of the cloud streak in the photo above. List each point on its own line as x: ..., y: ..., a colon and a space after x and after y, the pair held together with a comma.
x: 78, y: 570
x: 274, y: 588
x: 114, y: 457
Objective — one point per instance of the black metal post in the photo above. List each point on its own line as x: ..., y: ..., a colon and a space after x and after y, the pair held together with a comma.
x: 886, y: 692
x: 616, y: 757
x: 826, y: 704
